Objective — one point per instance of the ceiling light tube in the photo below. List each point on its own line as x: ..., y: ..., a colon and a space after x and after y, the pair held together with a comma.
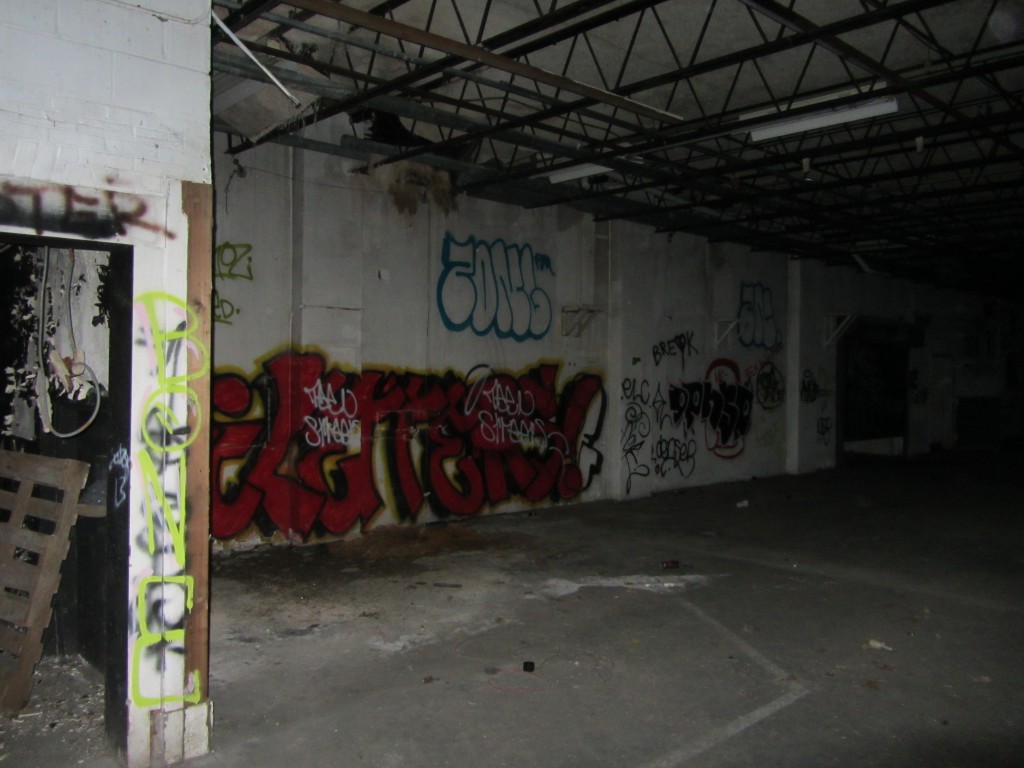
x: 573, y: 172
x: 827, y: 117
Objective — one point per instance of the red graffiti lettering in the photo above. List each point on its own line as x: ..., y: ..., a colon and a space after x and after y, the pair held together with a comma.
x: 299, y: 445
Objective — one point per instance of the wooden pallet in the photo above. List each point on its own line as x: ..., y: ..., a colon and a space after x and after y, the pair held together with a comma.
x: 38, y: 507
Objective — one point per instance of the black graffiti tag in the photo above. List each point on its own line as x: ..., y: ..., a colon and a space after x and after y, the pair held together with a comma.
x: 721, y: 403
x: 680, y: 345
x: 770, y: 386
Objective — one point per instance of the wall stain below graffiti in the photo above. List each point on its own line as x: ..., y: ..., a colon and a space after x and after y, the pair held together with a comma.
x: 300, y: 445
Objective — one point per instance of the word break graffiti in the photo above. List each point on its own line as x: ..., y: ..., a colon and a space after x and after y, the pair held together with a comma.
x: 680, y: 345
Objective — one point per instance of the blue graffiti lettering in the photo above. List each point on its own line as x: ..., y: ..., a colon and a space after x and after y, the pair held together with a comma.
x: 491, y: 287
x: 756, y: 315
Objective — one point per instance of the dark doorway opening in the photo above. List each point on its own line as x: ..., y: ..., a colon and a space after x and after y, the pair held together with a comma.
x: 65, y: 350
x: 873, y: 397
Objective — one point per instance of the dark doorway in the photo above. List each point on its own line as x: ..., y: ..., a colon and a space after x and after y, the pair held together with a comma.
x: 65, y: 349
x: 873, y: 398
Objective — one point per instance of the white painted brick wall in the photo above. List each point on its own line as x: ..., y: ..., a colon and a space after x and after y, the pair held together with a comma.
x: 96, y: 88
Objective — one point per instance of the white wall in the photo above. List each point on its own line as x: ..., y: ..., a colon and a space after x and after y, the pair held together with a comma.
x: 690, y: 313
x: 104, y: 112
x: 343, y: 282
x: 717, y: 363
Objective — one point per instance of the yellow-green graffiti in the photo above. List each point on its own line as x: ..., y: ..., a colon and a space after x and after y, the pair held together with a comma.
x: 161, y: 639
x: 169, y: 422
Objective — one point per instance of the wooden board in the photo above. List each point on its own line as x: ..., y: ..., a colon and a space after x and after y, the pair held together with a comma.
x: 38, y: 507
x: 197, y: 203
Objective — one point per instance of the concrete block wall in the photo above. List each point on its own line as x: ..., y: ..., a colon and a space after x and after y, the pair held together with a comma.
x: 714, y: 363
x: 104, y: 113
x: 406, y: 365
x: 99, y: 90
x: 699, y: 364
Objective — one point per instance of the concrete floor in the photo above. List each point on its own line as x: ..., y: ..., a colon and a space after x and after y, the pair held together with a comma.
x: 869, y: 616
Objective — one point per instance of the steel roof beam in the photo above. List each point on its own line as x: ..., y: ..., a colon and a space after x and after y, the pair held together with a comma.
x: 480, y: 54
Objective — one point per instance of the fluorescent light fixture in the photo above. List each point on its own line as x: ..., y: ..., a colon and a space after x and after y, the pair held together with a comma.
x: 577, y: 172
x: 824, y: 99
x: 863, y: 110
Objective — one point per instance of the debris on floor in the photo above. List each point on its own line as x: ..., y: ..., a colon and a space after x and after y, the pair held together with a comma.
x: 65, y: 712
x: 388, y: 548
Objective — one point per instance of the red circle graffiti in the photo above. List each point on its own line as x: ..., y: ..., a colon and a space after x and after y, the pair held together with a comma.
x: 231, y: 395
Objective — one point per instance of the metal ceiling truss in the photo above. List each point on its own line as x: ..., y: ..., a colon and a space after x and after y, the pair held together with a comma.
x: 646, y: 107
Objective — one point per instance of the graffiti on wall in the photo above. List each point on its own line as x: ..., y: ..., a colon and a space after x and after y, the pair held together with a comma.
x: 722, y: 402
x: 769, y: 386
x: 813, y: 390
x: 824, y: 430
x: 636, y: 428
x: 680, y: 345
x: 231, y: 262
x: 99, y: 215
x: 300, y: 445
x: 492, y: 287
x: 646, y: 446
x: 170, y: 421
x: 119, y: 469
x: 758, y: 326
x: 674, y: 455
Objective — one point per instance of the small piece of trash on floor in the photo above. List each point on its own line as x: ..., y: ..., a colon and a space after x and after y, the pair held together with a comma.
x: 669, y: 564
x: 878, y: 645
x: 742, y: 504
x: 982, y: 679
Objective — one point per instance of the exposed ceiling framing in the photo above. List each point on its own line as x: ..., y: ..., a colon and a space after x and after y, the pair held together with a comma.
x: 651, y: 104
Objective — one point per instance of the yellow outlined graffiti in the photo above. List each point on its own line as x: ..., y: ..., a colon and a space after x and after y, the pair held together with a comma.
x: 148, y: 639
x: 169, y: 423
x: 155, y: 502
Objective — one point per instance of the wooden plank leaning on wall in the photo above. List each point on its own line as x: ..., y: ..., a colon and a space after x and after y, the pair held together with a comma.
x: 197, y: 204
